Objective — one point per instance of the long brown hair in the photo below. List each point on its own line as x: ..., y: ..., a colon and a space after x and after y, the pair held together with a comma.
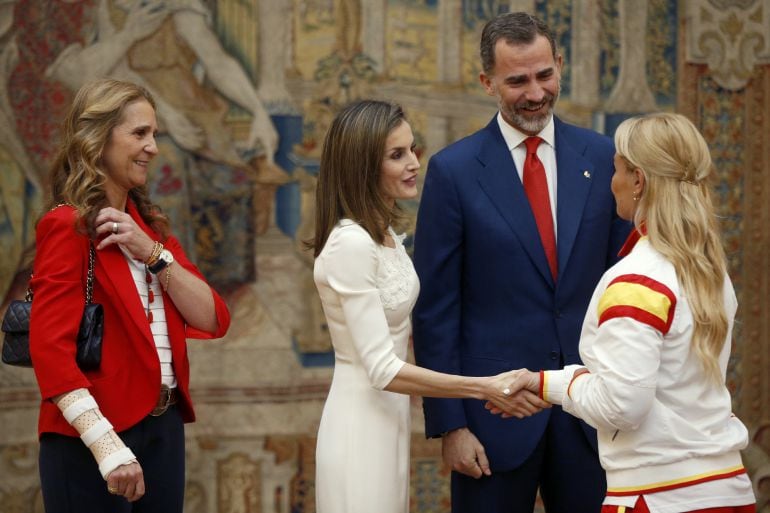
x: 349, y: 177
x: 76, y: 176
x: 678, y: 213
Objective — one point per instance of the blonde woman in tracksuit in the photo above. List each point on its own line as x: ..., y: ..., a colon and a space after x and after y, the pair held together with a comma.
x: 656, y: 337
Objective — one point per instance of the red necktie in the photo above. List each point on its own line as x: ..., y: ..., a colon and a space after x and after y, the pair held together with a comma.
x: 536, y: 187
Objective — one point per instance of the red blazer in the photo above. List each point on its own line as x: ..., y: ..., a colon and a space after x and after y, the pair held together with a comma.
x: 127, y: 384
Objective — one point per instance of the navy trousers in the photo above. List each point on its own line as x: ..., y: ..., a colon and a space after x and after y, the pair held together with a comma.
x: 564, y: 466
x: 71, y: 481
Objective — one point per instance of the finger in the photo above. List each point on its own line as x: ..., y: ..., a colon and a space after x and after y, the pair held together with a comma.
x: 108, y: 213
x: 140, y: 488
x: 103, y: 220
x: 526, y: 408
x: 472, y: 470
x: 113, y: 488
x: 130, y: 490
x: 483, y: 462
x: 110, y: 239
x: 107, y: 223
x: 530, y: 409
x: 494, y: 410
x: 535, y: 400
x: 525, y: 412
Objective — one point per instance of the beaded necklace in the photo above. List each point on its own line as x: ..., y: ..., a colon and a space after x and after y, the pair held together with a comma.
x: 150, y: 293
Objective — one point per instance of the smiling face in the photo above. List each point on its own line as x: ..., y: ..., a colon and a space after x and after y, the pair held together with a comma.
x: 526, y: 81
x: 627, y: 183
x: 129, y: 149
x: 398, y: 175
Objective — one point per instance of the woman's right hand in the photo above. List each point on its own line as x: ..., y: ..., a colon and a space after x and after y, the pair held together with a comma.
x: 514, y: 394
x: 120, y: 228
x: 127, y: 481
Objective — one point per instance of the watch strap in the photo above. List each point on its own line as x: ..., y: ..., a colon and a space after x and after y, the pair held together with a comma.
x: 158, y: 266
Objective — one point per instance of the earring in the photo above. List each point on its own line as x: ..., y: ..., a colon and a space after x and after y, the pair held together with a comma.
x: 636, y: 197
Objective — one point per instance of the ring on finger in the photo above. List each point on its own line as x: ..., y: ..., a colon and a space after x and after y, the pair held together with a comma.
x: 506, y: 391
x: 112, y: 490
x: 114, y: 227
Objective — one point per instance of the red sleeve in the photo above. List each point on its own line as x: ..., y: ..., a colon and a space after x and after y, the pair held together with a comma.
x: 61, y: 260
x: 220, y: 307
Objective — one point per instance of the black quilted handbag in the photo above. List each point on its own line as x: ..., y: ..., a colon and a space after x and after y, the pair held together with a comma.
x: 89, y: 342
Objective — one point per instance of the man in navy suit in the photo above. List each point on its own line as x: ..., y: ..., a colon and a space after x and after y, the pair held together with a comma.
x: 491, y: 298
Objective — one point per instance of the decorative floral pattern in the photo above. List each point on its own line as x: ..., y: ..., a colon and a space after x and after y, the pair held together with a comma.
x: 396, y: 274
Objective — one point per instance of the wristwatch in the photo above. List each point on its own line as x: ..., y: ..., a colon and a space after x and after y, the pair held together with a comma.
x: 165, y: 259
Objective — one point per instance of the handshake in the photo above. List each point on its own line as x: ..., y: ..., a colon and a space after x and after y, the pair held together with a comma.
x: 514, y: 394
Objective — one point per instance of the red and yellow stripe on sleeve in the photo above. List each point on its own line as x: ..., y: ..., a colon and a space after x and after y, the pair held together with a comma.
x: 639, y: 297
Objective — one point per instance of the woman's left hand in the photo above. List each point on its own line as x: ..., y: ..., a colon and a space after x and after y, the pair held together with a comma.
x: 128, y: 481
x: 120, y: 228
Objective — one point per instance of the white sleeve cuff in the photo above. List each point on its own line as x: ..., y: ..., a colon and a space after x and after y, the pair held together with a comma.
x: 114, y: 460
x: 555, y: 383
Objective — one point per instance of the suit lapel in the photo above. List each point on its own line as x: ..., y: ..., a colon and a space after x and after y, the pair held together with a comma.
x: 502, y: 185
x: 118, y: 275
x: 574, y: 179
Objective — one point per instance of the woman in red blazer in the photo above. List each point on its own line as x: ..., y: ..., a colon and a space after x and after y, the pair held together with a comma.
x: 128, y: 413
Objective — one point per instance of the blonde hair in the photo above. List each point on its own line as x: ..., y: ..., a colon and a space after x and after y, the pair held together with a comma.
x: 76, y: 177
x: 349, y: 176
x: 677, y: 210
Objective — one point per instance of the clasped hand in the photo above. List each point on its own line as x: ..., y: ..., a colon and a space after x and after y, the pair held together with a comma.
x: 119, y: 228
x: 515, y: 394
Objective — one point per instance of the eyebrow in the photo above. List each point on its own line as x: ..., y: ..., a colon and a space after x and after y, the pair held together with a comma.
x: 523, y: 77
x: 400, y: 147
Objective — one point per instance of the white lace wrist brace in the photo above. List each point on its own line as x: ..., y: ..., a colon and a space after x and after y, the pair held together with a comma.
x: 81, y: 411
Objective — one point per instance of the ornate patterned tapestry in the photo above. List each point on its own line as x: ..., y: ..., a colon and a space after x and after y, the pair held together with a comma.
x: 240, y: 143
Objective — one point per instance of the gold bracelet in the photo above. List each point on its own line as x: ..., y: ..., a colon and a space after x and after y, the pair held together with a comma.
x: 156, y: 249
x: 168, y: 275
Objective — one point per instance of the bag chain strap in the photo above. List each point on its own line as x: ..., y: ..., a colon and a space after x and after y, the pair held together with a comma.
x: 90, y: 277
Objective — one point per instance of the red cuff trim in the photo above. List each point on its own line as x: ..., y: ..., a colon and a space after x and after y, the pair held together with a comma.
x: 575, y: 376
x: 541, y: 389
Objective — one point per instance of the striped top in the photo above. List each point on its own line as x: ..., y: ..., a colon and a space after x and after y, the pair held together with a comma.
x: 157, y: 313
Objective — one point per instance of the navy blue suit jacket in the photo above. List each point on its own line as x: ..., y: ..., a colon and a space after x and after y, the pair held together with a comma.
x: 488, y: 302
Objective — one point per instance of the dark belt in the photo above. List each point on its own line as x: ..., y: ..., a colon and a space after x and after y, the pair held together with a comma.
x: 167, y: 397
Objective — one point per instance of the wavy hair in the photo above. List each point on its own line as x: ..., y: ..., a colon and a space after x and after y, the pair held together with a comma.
x: 349, y: 176
x: 76, y: 176
x: 677, y: 210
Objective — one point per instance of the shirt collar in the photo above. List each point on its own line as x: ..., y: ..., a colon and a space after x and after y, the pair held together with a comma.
x: 635, y: 236
x: 514, y: 137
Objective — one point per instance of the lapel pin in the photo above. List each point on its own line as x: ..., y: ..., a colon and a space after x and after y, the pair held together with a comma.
x: 587, y: 174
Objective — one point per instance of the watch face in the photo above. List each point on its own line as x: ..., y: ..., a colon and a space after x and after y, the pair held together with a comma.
x: 166, y: 256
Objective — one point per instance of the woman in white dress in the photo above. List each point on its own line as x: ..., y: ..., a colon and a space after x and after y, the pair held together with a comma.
x: 368, y: 287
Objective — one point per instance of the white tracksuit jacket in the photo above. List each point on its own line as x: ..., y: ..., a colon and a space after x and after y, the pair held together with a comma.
x: 661, y: 423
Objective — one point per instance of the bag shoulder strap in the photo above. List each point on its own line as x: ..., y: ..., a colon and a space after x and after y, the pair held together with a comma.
x: 89, y: 277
